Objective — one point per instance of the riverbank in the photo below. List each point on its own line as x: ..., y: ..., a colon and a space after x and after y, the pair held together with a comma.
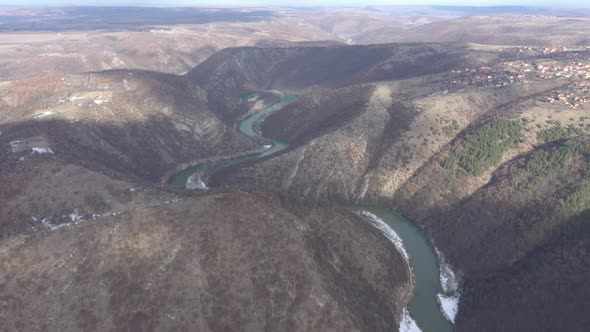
x: 432, y: 307
x: 423, y: 262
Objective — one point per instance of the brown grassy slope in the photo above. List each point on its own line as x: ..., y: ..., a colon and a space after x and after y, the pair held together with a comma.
x: 226, y: 261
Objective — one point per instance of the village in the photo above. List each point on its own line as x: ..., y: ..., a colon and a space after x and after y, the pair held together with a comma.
x: 574, y: 95
x: 562, y: 64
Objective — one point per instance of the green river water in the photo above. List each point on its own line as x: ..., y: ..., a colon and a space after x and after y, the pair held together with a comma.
x: 423, y: 307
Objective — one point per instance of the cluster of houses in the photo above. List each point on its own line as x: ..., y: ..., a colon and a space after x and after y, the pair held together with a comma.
x: 520, y: 72
x: 560, y: 64
x: 571, y: 70
x: 486, y: 77
x: 574, y: 95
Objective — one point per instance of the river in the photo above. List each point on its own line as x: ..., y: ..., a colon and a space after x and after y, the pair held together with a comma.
x: 423, y: 259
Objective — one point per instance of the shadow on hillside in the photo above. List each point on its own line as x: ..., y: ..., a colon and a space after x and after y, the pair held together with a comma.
x: 141, y: 150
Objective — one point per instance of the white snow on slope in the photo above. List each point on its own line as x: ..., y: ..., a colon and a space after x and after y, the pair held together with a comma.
x: 74, y: 98
x: 449, y: 305
x: 75, y: 219
x: 449, y: 299
x: 389, y: 233
x: 42, y: 150
x: 448, y: 279
x: 43, y: 114
x: 407, y: 324
x: 196, y: 182
x: 16, y: 146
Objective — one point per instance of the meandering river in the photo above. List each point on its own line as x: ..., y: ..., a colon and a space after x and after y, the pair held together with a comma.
x: 423, y: 308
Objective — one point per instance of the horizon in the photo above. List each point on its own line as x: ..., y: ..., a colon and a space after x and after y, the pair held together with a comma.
x: 290, y: 3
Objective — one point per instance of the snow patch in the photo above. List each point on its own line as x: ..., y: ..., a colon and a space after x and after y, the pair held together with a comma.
x: 16, y: 146
x: 51, y: 227
x: 407, y: 323
x: 102, y: 215
x: 74, y: 98
x: 448, y: 280
x: 174, y: 200
x: 449, y: 305
x: 74, y: 217
x: 196, y: 182
x: 450, y: 296
x: 126, y: 85
x: 43, y: 114
x: 98, y: 100
x: 42, y: 150
x: 34, y: 145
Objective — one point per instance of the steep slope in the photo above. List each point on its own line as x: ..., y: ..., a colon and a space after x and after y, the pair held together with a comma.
x: 44, y: 192
x: 487, y: 172
x: 331, y: 166
x: 469, y: 167
x: 233, y: 71
x: 560, y: 269
x: 302, y: 120
x: 134, y: 123
x: 525, y: 200
x: 362, y: 147
x: 521, y: 241
x: 226, y: 261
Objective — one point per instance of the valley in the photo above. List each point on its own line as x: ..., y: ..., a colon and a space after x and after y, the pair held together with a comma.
x: 356, y: 169
x: 425, y: 263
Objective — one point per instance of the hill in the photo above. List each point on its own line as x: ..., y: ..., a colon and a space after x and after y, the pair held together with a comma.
x: 135, y: 123
x: 233, y: 71
x: 492, y: 165
x: 225, y: 261
x: 456, y: 163
x: 530, y: 30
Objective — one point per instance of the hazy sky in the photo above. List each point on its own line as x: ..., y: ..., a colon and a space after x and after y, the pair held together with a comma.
x: 557, y: 3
